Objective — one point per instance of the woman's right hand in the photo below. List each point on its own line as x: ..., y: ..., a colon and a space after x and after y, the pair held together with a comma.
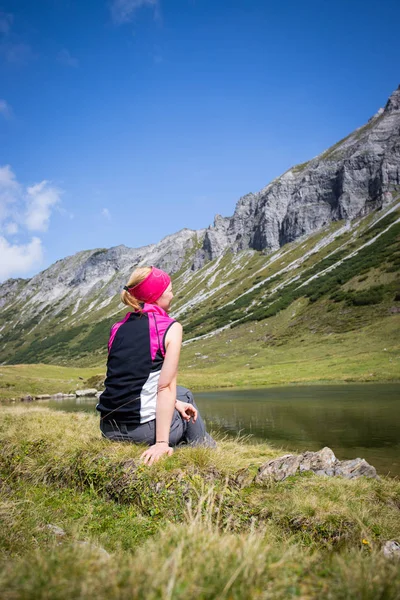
x: 155, y: 452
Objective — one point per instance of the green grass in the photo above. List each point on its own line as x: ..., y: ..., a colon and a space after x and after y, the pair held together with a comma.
x: 20, y: 380
x: 183, y: 528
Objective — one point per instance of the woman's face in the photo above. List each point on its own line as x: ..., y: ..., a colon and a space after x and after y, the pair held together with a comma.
x: 164, y: 301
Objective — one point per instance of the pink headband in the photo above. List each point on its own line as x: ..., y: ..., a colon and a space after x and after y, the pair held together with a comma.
x: 152, y: 287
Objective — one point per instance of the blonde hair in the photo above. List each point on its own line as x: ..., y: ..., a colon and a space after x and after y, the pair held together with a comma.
x: 137, y: 276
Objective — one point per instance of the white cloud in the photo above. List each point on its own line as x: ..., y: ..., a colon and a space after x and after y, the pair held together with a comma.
x: 65, y: 58
x: 22, y: 210
x: 123, y: 11
x: 11, y: 228
x: 39, y: 202
x: 19, y: 258
x: 5, y: 109
x: 106, y: 213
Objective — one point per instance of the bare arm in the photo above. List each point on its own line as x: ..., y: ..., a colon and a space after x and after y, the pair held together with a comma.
x: 166, y: 395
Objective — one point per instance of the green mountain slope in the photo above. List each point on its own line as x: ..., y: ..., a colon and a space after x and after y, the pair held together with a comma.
x: 337, y: 290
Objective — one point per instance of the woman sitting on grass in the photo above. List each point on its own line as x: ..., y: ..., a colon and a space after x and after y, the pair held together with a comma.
x: 141, y: 402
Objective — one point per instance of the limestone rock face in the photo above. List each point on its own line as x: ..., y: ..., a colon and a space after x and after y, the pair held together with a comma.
x: 349, y: 180
x: 323, y: 462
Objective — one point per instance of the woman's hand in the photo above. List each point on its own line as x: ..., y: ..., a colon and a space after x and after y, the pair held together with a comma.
x: 186, y: 410
x: 155, y: 452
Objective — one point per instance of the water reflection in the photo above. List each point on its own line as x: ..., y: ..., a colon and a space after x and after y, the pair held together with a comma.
x: 354, y: 419
x: 351, y: 419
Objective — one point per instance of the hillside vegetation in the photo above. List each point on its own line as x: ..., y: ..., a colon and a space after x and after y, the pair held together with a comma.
x: 326, y: 308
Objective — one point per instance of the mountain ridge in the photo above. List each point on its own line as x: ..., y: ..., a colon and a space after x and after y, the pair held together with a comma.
x: 300, y: 209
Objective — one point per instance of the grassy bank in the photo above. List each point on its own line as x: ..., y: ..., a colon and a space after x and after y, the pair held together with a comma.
x: 193, y: 526
x: 20, y: 380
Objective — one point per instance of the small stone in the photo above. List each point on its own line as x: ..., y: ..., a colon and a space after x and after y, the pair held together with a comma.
x: 43, y: 397
x: 56, y: 530
x: 243, y: 478
x: 98, y: 549
x: 27, y: 398
x: 391, y: 549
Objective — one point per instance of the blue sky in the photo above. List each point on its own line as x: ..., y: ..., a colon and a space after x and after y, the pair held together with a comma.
x: 122, y: 121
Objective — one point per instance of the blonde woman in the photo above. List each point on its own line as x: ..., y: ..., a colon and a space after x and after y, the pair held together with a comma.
x: 141, y: 402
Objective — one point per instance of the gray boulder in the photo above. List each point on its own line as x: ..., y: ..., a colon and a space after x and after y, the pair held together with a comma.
x: 358, y: 467
x: 323, y: 462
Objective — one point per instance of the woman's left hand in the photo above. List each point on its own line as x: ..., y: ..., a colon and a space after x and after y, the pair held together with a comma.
x: 186, y: 410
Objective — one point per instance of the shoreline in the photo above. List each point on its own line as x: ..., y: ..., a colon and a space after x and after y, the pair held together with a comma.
x: 213, y: 388
x: 322, y: 382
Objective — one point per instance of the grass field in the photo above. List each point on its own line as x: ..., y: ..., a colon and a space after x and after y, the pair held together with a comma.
x: 189, y: 527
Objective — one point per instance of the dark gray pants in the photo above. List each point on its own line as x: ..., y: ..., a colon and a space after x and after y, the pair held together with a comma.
x: 181, y: 432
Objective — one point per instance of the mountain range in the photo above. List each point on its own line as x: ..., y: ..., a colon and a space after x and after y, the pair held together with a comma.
x: 320, y: 244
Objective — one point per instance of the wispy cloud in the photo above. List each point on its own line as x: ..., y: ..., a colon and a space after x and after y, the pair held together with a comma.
x: 65, y: 58
x: 13, y: 49
x: 5, y: 109
x: 106, y: 214
x: 6, y: 20
x: 123, y: 11
x: 16, y: 53
x: 23, y: 210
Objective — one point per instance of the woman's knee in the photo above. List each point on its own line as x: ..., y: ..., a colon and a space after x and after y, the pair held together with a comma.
x: 184, y: 394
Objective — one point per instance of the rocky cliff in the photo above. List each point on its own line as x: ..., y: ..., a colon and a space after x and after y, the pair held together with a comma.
x: 357, y: 175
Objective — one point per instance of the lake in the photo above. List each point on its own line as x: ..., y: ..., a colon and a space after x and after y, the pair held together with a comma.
x: 353, y: 419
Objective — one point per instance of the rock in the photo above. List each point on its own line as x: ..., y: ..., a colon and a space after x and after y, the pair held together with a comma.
x: 56, y: 530
x: 43, y: 397
x: 278, y: 469
x: 391, y: 549
x: 358, y: 467
x: 243, y: 478
x: 349, y: 180
x: 323, y: 462
x: 27, y: 398
x: 88, y: 392
x: 97, y: 549
x: 61, y: 395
